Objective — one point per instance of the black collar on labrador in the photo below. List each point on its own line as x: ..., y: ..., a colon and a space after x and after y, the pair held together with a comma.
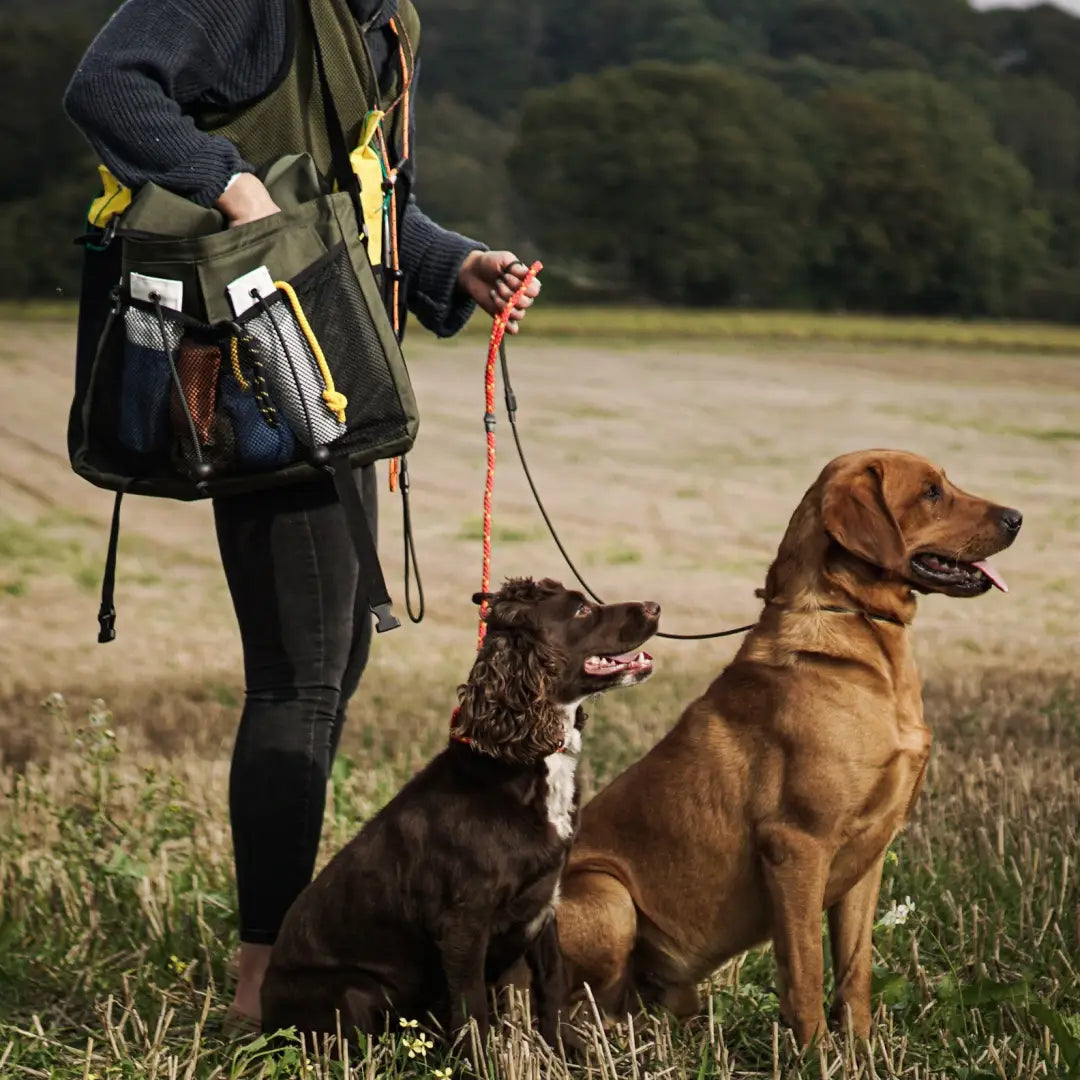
x: 864, y: 614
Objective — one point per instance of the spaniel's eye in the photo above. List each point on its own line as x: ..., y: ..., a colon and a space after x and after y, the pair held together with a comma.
x: 932, y: 493
x: 582, y: 611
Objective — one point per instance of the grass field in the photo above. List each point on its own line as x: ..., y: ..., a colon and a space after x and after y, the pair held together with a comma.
x: 671, y: 470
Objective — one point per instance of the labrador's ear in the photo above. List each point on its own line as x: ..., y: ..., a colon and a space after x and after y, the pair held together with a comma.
x: 857, y: 515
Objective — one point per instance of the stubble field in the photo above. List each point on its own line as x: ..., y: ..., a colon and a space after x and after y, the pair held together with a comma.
x: 671, y: 466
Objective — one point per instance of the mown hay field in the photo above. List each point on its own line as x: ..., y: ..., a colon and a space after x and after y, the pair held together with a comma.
x: 671, y: 466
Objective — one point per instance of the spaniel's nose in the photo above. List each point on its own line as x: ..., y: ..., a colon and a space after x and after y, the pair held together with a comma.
x: 652, y: 609
x: 1011, y: 520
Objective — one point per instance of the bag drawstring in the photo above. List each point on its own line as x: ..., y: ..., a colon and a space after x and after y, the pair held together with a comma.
x: 257, y: 385
x: 202, y: 468
x: 335, y: 401
x: 268, y: 312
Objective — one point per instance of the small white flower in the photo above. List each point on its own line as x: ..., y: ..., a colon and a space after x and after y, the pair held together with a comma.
x: 898, y: 914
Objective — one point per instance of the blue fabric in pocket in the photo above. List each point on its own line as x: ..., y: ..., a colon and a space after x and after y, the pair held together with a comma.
x: 259, y: 445
x: 144, y: 399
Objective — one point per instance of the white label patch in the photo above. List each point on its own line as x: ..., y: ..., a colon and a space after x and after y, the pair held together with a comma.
x: 168, y: 292
x: 257, y: 281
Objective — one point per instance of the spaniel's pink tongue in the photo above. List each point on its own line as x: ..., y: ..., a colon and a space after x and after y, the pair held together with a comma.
x: 985, y: 566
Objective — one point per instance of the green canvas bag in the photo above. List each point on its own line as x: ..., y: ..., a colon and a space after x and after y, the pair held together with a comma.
x: 227, y: 361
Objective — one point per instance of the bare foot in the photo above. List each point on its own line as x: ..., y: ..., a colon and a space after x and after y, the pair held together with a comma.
x: 252, y: 963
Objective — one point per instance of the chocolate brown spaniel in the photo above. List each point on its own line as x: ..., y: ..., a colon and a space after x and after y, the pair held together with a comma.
x: 456, y: 878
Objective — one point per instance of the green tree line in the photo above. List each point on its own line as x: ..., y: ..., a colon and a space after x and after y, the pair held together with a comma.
x: 880, y: 155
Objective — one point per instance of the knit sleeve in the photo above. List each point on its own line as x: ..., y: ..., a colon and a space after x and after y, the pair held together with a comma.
x: 431, y: 257
x: 131, y: 94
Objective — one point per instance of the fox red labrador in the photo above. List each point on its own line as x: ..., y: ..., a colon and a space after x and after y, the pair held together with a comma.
x: 778, y: 791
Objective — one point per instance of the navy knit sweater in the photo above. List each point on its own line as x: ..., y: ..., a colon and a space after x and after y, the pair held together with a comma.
x: 155, y: 61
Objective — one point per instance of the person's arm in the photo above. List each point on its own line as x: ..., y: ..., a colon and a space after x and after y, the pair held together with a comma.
x: 154, y: 58
x: 447, y: 274
x: 431, y: 258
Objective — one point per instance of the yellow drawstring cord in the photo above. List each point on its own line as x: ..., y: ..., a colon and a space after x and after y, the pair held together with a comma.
x: 234, y: 358
x: 335, y: 402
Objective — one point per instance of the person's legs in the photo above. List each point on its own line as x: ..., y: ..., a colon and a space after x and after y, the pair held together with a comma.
x: 292, y: 573
x: 363, y: 623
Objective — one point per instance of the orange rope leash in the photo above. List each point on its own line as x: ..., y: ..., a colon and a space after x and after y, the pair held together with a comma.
x: 498, y: 331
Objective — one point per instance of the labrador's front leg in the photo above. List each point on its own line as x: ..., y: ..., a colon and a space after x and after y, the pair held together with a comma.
x: 796, y: 871
x: 851, y: 928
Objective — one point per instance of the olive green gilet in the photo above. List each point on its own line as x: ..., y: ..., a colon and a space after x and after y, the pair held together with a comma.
x: 291, y: 118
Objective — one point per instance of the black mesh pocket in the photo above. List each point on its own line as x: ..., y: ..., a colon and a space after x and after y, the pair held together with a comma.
x: 334, y: 304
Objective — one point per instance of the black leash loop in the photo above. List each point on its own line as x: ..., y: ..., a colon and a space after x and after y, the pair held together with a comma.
x: 412, y: 565
x: 511, y: 410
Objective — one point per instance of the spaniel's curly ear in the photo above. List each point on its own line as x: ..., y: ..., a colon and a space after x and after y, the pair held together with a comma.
x: 516, y: 606
x: 857, y: 515
x: 505, y: 709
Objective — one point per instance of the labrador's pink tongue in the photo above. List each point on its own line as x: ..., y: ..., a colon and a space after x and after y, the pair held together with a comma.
x: 986, y: 567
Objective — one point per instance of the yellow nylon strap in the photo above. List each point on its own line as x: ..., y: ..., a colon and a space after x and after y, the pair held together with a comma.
x: 369, y: 171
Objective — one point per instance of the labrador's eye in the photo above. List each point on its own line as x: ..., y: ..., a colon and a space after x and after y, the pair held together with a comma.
x: 582, y: 611
x: 932, y: 493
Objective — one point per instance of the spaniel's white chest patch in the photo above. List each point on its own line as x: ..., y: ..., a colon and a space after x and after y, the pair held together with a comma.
x: 561, y: 778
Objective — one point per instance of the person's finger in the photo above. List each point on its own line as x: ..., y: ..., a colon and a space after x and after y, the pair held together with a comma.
x: 503, y: 290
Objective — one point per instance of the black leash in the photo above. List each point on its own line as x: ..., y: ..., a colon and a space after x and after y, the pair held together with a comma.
x: 511, y: 411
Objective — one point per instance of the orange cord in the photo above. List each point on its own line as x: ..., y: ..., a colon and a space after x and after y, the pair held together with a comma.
x: 498, y: 331
x: 407, y: 69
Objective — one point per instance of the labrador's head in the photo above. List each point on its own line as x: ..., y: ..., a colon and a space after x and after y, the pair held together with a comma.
x: 879, y: 524
x: 901, y: 514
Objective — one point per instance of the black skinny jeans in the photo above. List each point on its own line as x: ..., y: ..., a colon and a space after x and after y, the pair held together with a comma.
x: 293, y: 576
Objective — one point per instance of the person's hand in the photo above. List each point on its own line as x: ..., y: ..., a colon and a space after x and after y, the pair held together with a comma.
x: 492, y: 277
x: 246, y: 200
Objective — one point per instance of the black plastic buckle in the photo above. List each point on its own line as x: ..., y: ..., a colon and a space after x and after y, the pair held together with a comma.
x: 385, y: 619
x: 107, y: 624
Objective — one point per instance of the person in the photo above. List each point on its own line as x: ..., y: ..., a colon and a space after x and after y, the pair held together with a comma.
x: 143, y: 96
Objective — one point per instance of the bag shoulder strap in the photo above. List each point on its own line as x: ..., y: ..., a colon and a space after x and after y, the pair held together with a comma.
x: 371, y: 575
x: 343, y: 173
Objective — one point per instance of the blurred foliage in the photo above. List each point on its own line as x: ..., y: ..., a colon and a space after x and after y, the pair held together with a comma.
x: 881, y: 155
